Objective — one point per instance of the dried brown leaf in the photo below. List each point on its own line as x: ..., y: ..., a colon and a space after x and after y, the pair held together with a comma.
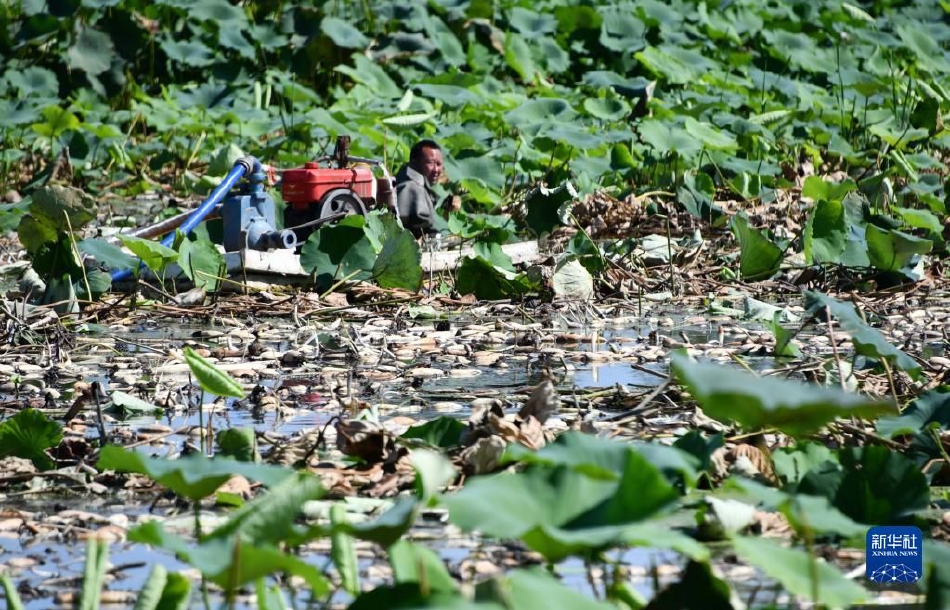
x: 483, y: 456
x: 366, y: 440
x: 542, y: 404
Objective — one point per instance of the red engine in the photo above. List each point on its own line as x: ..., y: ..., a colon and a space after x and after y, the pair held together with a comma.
x: 304, y: 187
x: 315, y: 195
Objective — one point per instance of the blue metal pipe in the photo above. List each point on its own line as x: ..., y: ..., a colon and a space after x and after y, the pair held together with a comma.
x: 241, y: 167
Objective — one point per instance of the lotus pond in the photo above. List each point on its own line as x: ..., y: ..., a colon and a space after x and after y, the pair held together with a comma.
x: 723, y: 363
x: 354, y: 396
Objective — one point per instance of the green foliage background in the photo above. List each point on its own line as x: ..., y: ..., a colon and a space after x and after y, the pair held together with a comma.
x: 625, y: 94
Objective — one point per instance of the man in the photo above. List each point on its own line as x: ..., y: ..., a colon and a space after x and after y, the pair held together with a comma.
x: 415, y: 200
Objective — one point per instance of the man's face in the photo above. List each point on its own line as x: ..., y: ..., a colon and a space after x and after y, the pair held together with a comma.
x: 429, y: 164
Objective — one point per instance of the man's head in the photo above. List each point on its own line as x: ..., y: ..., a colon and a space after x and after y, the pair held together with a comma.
x: 426, y: 158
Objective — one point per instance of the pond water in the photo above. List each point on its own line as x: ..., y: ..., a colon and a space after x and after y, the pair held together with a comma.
x: 53, y: 563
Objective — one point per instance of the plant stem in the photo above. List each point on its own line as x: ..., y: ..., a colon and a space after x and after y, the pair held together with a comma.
x: 940, y: 447
x: 82, y: 267
x: 96, y: 388
x: 890, y: 380
x: 669, y: 252
x: 834, y: 350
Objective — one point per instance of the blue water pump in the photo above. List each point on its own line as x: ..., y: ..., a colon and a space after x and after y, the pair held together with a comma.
x: 250, y: 216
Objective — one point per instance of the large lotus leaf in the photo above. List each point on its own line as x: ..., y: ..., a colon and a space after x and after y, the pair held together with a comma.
x: 635, y: 88
x: 928, y: 51
x: 731, y: 395
x: 12, y: 213
x: 486, y: 281
x: 531, y: 23
x: 376, y: 79
x: 537, y: 589
x: 621, y: 158
x: 222, y: 160
x: 799, y: 573
x: 34, y: 233
x: 557, y: 137
x: 867, y: 341
x: 191, y: 52
x: 807, y: 514
x: 441, y: 432
x: 552, y: 55
x: 483, y: 168
x: 606, y: 108
x: 231, y: 563
x: 892, y: 250
x: 343, y: 34
x: 819, y: 189
x: 544, y: 206
x: 486, y: 227
x: 932, y: 407
x: 449, y: 95
x: 795, y: 47
x: 219, y: 11
x: 338, y: 251
x: 381, y: 226
x: 28, y: 435
x: 156, y: 256
x: 16, y: 113
x: 621, y: 30
x: 541, y: 110
x: 389, y: 527
x: 559, y: 510
x: 895, y: 134
x: 97, y: 281
x: 193, y: 477
x: 397, y: 265
x: 201, y: 262
x: 599, y: 458
x: 711, y: 137
x: 271, y: 518
x: 444, y: 39
x: 211, y: 379
x: 58, y: 121
x: 236, y: 40
x: 936, y: 581
x: 106, y: 253
x: 921, y: 219
x: 696, y: 583
x: 410, y: 596
x: 826, y: 232
x: 519, y: 57
x: 92, y: 52
x: 63, y: 208
x: 492, y: 252
x: 880, y: 486
x: 666, y: 138
x: 791, y: 464
x: 415, y: 563
x: 759, y: 258
x: 696, y: 195
x: 665, y: 66
x: 33, y: 81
